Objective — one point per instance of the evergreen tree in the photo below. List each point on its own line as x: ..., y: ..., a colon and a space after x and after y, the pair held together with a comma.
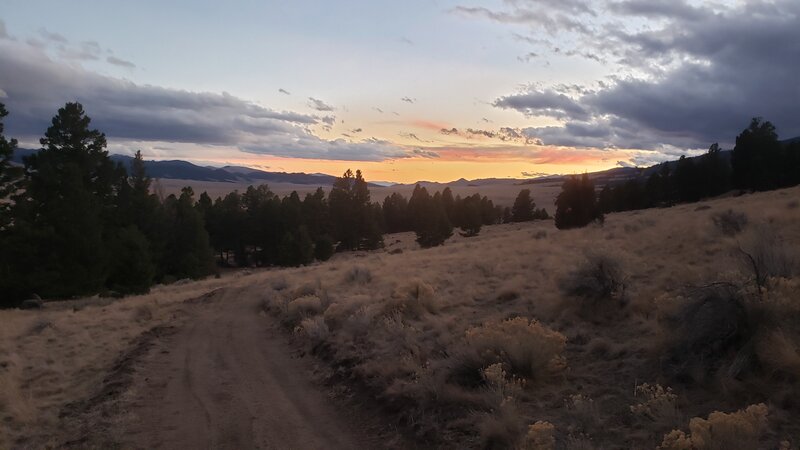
x: 756, y: 158
x: 296, y: 248
x: 68, y: 208
x: 523, y: 208
x: 10, y: 175
x: 576, y: 205
x: 470, y: 218
x: 431, y: 224
x: 189, y: 254
x: 132, y: 267
x: 395, y: 213
x: 353, y: 219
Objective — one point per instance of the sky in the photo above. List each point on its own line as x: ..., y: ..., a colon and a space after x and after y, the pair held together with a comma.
x: 405, y: 91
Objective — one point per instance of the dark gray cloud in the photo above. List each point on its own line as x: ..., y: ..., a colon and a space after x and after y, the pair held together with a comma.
x: 674, y: 9
x: 685, y: 76
x: 319, y: 105
x: 543, y: 103
x: 284, y: 91
x: 120, y: 62
x: 408, y: 99
x: 37, y: 85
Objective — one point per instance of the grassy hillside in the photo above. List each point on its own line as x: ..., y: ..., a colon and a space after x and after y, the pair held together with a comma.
x: 607, y: 336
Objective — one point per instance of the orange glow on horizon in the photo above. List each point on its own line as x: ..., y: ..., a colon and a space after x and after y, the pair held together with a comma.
x: 452, y: 165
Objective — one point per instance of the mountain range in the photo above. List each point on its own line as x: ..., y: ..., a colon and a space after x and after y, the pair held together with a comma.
x: 184, y: 170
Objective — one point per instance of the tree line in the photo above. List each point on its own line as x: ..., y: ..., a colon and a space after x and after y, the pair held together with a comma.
x: 73, y: 222
x: 758, y: 162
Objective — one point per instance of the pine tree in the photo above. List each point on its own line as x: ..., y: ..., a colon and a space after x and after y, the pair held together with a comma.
x: 353, y: 219
x: 756, y: 158
x: 189, y: 254
x: 68, y: 208
x: 576, y: 205
x: 524, y: 207
x: 10, y: 175
x: 431, y: 223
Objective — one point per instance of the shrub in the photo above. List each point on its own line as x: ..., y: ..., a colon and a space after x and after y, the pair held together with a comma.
x: 656, y: 402
x: 413, y: 299
x: 740, y: 430
x: 316, y: 329
x: 711, y: 326
x: 303, y: 307
x: 764, y: 256
x: 359, y: 275
x: 527, y: 348
x: 730, y: 222
x: 599, y: 281
x: 541, y: 436
x: 502, y: 428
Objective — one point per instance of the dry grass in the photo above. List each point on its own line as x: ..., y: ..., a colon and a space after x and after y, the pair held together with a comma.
x: 403, y: 333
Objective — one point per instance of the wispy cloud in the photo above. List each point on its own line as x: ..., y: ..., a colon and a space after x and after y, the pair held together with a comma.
x: 319, y: 105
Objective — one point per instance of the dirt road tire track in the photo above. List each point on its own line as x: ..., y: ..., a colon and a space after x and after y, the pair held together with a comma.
x: 225, y: 379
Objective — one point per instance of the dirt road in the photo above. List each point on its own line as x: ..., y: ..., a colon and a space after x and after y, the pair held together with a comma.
x: 228, y: 379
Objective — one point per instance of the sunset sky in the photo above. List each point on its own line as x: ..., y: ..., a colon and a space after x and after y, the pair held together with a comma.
x: 405, y: 91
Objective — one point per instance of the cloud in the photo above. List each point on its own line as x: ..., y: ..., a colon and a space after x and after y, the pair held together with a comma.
x: 534, y: 174
x: 356, y: 130
x: 120, y: 62
x: 377, y: 109
x: 284, y: 91
x: 319, y: 105
x: 527, y: 57
x: 3, y: 32
x: 505, y: 134
x: 543, y: 103
x: 37, y: 85
x: 424, y: 153
x: 408, y: 99
x: 406, y: 40
x: 684, y: 74
x: 50, y: 36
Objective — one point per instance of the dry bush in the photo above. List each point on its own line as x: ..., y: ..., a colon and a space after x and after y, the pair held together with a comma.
x: 599, y: 283
x: 358, y: 275
x: 413, y: 299
x: 764, y: 255
x: 710, y: 334
x: 527, y: 348
x: 501, y: 386
x: 316, y: 329
x: 741, y: 430
x: 303, y: 307
x: 502, y: 428
x: 541, y: 436
x: 583, y: 410
x: 730, y: 222
x: 729, y: 331
x: 656, y: 403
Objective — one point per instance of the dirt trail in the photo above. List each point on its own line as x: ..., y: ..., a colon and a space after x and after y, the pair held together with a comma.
x: 229, y: 379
